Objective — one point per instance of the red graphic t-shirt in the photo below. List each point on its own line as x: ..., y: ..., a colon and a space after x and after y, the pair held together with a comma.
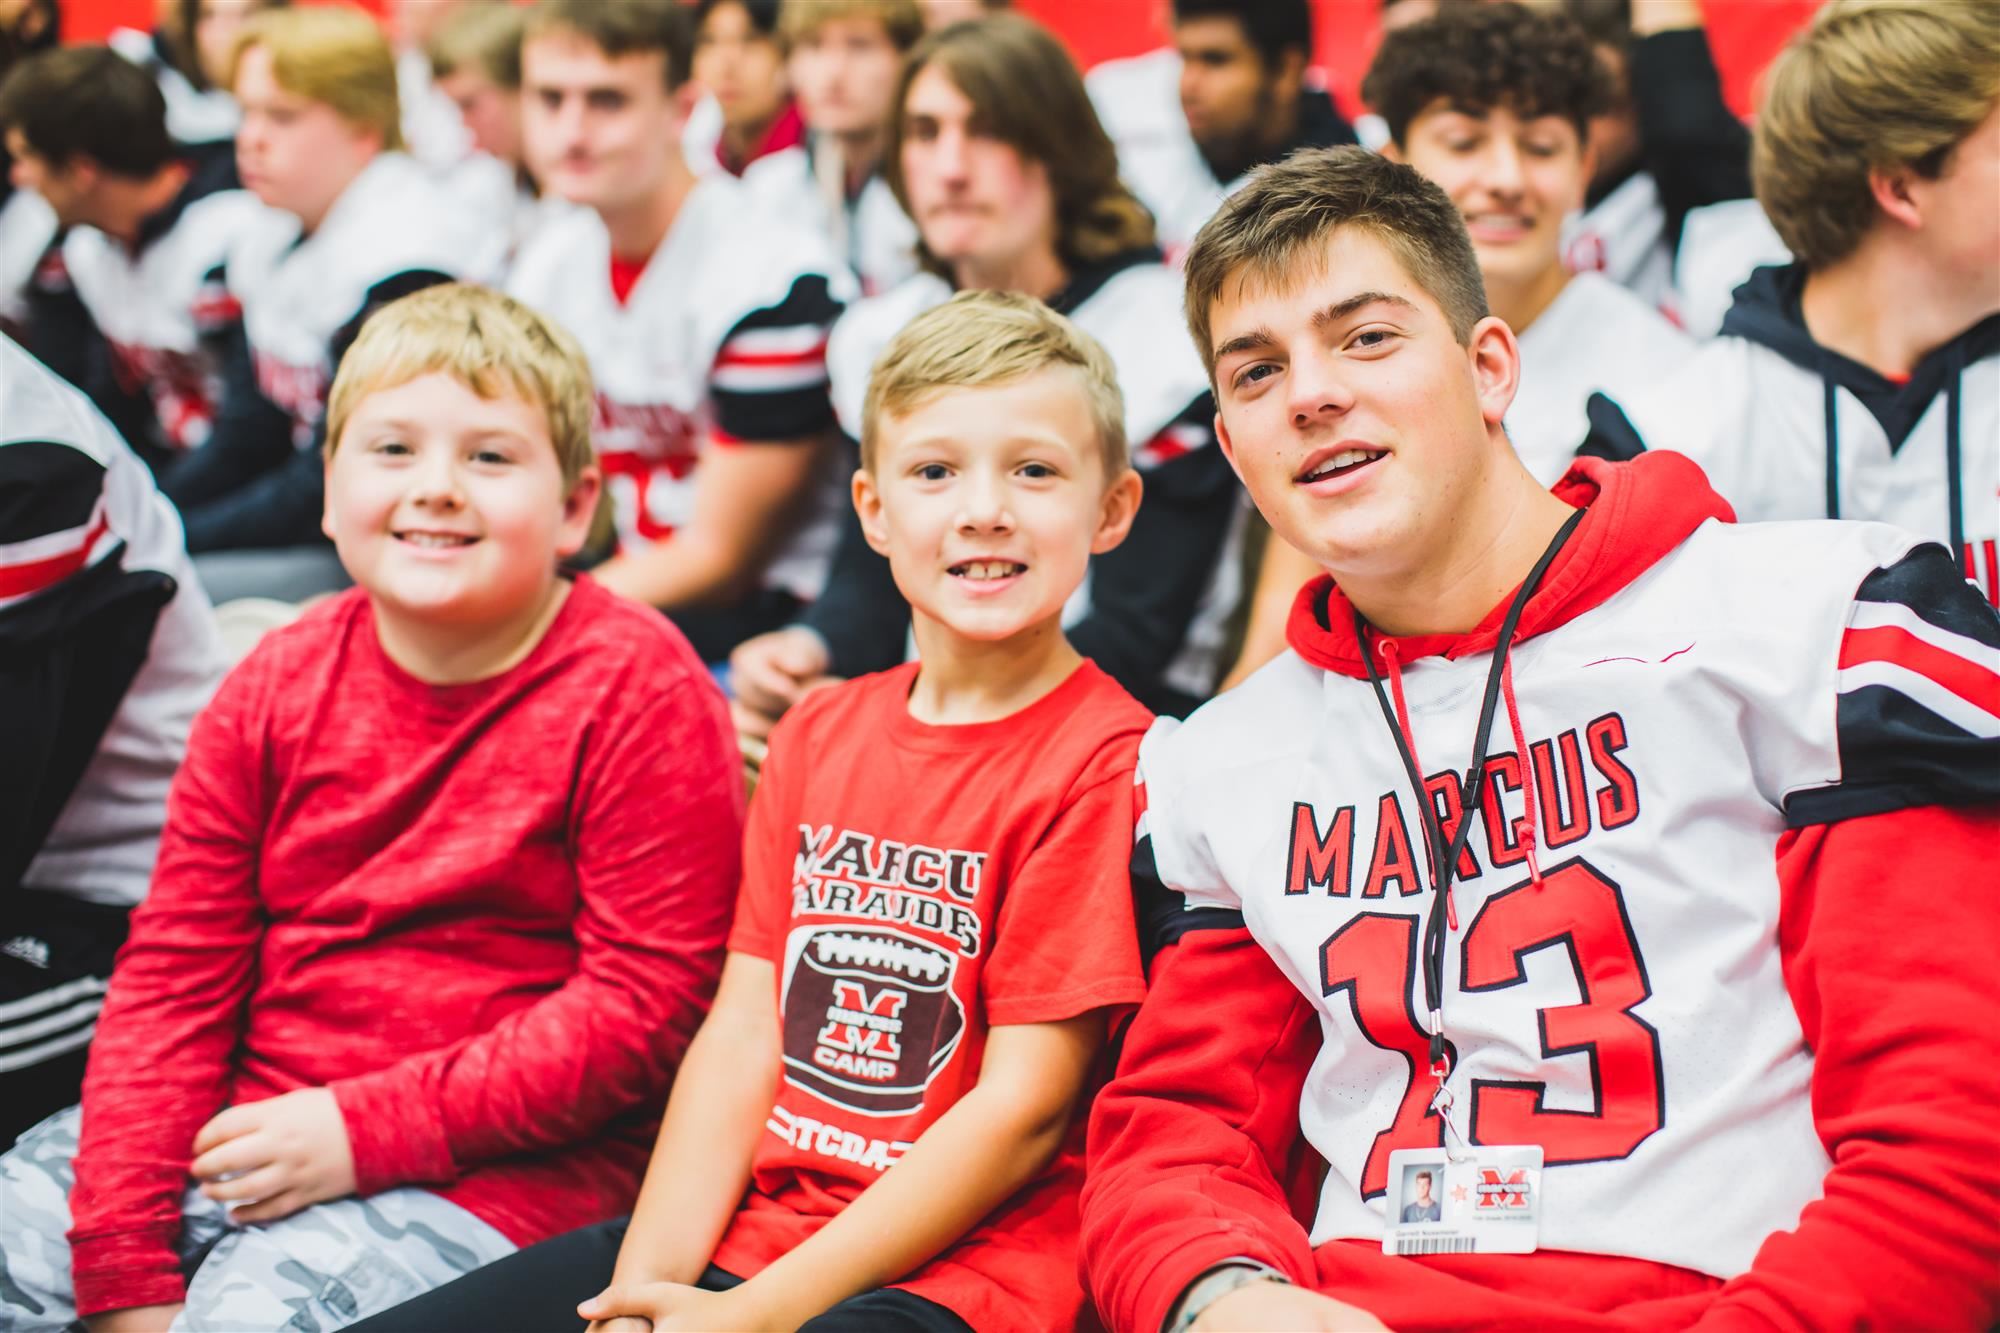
x: 915, y: 885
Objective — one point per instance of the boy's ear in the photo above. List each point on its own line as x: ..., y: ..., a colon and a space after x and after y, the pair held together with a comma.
x: 1115, y: 515
x: 326, y: 504
x: 1496, y: 367
x: 1890, y: 188
x: 868, y: 507
x: 579, y: 512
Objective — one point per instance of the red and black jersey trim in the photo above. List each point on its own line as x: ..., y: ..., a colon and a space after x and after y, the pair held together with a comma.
x: 1918, y: 713
x: 52, y: 519
x: 769, y: 381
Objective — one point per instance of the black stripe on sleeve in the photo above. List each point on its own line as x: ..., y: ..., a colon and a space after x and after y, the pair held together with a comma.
x: 1612, y: 434
x: 1163, y: 914
x: 782, y: 414
x: 46, y: 487
x: 1895, y: 752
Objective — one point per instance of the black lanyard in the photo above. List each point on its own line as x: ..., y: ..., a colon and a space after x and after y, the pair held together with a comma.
x: 1445, y: 851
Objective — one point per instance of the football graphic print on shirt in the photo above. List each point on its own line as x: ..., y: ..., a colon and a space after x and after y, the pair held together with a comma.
x: 870, y: 1017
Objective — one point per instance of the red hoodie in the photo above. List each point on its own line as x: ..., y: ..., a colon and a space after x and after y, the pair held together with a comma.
x: 1196, y: 1149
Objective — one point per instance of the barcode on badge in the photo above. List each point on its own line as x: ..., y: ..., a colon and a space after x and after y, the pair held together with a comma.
x: 1431, y: 1244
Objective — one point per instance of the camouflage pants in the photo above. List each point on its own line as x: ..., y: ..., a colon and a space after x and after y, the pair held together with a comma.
x: 319, y: 1269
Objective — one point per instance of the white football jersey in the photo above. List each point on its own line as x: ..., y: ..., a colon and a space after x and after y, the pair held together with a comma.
x: 194, y: 115
x: 102, y: 845
x: 871, y: 231
x: 721, y: 343
x: 1770, y: 416
x: 1595, y: 337
x: 1721, y: 246
x: 153, y: 306
x: 1624, y: 237
x: 1629, y: 1012
x: 1136, y: 315
x: 298, y: 292
x: 27, y: 230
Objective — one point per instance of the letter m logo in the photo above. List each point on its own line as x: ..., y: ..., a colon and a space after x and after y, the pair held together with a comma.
x: 1319, y: 862
x: 864, y: 1023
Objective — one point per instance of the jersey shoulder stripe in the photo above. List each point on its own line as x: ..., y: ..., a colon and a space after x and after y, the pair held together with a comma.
x: 1918, y: 694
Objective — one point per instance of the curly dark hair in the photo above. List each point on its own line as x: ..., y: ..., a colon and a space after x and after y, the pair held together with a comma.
x: 1477, y: 57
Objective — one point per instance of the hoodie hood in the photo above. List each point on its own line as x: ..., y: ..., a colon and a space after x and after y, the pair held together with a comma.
x: 1635, y: 514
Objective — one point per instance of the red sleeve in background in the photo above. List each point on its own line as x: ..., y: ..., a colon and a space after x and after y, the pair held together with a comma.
x: 1193, y: 1142
x: 1890, y: 931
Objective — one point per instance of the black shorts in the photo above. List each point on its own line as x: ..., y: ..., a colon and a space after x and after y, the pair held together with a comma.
x: 538, y: 1290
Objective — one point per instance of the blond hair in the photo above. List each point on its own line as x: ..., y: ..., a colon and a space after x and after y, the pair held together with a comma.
x: 333, y: 55
x: 491, y: 343
x: 1870, y: 85
x: 481, y: 38
x: 902, y: 20
x: 980, y: 339
x: 1275, y: 230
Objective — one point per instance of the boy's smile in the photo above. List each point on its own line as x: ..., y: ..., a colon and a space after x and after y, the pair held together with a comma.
x: 449, y: 508
x: 989, y: 503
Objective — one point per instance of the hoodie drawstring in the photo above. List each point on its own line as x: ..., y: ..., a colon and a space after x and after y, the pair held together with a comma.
x: 1953, y: 451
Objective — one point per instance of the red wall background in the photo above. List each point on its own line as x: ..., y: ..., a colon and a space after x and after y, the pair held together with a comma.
x: 1744, y: 33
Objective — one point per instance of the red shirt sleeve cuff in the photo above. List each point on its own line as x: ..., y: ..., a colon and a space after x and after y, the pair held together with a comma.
x: 126, y: 1269
x: 1173, y: 1273
x: 397, y: 1138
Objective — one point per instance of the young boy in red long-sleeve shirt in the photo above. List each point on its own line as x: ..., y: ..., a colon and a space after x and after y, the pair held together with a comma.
x: 441, y: 898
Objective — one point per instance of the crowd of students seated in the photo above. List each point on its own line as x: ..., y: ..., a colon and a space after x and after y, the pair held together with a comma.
x: 741, y: 664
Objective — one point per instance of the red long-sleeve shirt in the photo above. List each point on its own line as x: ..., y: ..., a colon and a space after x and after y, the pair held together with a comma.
x: 488, y: 916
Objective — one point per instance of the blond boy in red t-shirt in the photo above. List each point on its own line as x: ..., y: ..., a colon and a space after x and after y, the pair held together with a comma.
x: 878, y: 1126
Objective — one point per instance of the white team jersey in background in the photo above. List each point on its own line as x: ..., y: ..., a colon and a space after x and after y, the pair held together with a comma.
x: 657, y: 356
x: 1721, y: 245
x: 1624, y: 237
x: 1595, y: 337
x: 1757, y: 422
x: 27, y: 229
x: 870, y: 232
x: 297, y: 293
x: 1630, y: 1014
x: 101, y: 847
x: 149, y: 306
x: 194, y: 116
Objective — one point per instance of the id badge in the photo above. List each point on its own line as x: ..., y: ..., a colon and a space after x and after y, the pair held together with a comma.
x: 1487, y: 1201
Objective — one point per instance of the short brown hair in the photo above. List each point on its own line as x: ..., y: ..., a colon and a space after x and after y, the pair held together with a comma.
x: 1276, y: 226
x: 1479, y: 57
x: 979, y: 339
x: 486, y: 38
x: 902, y: 20
x: 88, y: 101
x: 1025, y: 91
x: 1869, y: 85
x: 624, y: 28
x: 333, y: 55
x: 489, y: 342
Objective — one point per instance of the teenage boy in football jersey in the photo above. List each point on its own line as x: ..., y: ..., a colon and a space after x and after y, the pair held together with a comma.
x: 705, y: 321
x: 1689, y: 914
x: 149, y: 224
x: 1862, y: 381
